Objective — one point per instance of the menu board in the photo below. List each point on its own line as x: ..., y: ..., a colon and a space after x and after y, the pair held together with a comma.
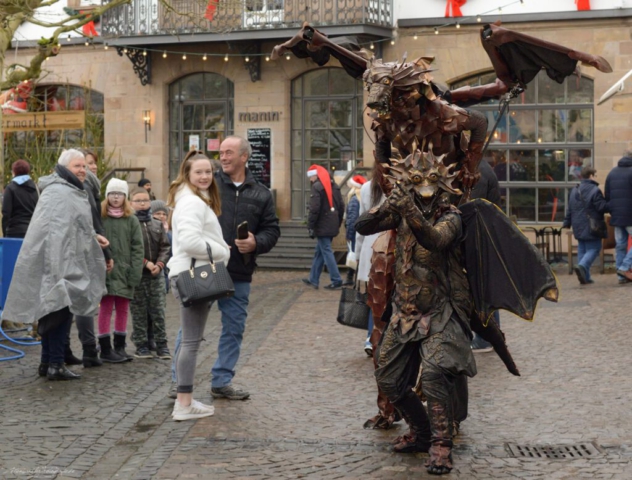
x: 261, y: 159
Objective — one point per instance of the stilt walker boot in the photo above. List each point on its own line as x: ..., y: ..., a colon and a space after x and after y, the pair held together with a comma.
x: 107, y: 353
x: 91, y: 357
x: 441, y: 424
x: 119, y: 346
x: 413, y: 411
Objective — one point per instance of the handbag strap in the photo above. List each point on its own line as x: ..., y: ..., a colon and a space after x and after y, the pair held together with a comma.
x: 210, y: 257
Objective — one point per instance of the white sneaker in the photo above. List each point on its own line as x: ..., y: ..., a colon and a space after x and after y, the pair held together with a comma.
x: 192, y: 412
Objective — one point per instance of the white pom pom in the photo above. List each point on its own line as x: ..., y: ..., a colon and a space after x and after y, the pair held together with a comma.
x: 333, y: 209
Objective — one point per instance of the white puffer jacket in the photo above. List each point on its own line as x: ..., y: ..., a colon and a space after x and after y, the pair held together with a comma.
x: 194, y: 224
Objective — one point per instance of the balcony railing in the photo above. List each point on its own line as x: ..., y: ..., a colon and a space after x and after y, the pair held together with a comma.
x: 151, y: 17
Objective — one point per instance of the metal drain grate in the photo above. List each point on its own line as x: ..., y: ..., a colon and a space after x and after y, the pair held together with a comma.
x: 579, y: 450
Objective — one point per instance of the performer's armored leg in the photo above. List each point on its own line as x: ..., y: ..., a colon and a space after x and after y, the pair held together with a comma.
x: 396, y: 374
x: 459, y: 401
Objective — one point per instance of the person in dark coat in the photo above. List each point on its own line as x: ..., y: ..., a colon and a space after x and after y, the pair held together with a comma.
x: 584, y: 201
x: 20, y: 199
x: 146, y: 184
x: 619, y: 197
x: 326, y: 211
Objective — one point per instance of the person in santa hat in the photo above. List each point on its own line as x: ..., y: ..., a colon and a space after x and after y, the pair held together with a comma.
x: 326, y: 211
x: 353, y: 212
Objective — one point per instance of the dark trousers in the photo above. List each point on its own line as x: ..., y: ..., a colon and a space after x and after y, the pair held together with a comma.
x: 55, y: 338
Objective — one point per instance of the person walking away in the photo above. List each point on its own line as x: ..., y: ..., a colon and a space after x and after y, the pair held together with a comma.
x: 195, y: 227
x: 146, y: 184
x: 353, y: 207
x: 586, y: 201
x: 19, y: 201
x: 618, y: 194
x: 51, y: 288
x: 326, y: 211
x: 149, y: 301
x: 122, y: 229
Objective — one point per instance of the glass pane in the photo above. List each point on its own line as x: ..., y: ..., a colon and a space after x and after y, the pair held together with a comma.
x: 498, y: 161
x: 298, y: 204
x: 213, y: 152
x: 96, y: 102
x: 580, y: 125
x: 214, y: 117
x: 580, y: 90
x: 174, y: 92
x: 214, y: 86
x: 549, y: 91
x: 316, y: 114
x: 484, y: 80
x: 340, y: 83
x: 317, y: 144
x: 550, y: 204
x: 551, y: 164
x: 73, y: 138
x: 360, y: 145
x: 522, y: 126
x: 527, y: 97
x: 193, y: 117
x: 297, y: 87
x: 522, y: 204
x: 522, y: 166
x: 297, y: 145
x: 173, y: 170
x: 77, y: 99
x: 500, y: 135
x: 56, y: 99
x: 174, y: 141
x: 577, y: 159
x: 192, y: 87
x: 175, y: 116
x: 341, y: 148
x: 315, y: 83
x: 298, y: 175
x: 297, y: 113
x: 340, y: 114
x: 551, y: 126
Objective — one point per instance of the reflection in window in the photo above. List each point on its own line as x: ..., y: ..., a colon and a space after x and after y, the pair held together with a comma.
x: 540, y: 147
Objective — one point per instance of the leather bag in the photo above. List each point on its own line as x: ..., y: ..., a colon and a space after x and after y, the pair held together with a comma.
x: 353, y: 310
x: 204, y: 284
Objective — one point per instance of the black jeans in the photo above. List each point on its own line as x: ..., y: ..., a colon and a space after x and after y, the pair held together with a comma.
x: 55, y: 338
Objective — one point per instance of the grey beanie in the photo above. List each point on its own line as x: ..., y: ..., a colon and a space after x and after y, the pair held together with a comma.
x: 159, y: 206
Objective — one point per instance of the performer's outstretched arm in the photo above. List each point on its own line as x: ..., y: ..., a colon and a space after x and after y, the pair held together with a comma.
x: 377, y: 220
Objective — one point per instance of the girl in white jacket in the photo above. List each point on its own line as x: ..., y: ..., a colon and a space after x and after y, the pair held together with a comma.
x: 196, y: 201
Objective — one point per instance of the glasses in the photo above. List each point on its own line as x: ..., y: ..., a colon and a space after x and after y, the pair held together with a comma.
x: 117, y: 195
x: 141, y: 201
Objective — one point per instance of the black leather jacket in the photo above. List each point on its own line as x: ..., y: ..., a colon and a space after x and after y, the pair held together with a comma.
x: 251, y: 202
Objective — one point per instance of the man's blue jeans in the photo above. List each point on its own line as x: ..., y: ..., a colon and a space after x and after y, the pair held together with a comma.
x: 234, y: 312
x: 324, y: 255
x: 587, y: 252
x: 623, y: 257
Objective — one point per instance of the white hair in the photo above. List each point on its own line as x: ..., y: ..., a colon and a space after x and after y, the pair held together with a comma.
x: 69, y: 155
x: 244, y: 145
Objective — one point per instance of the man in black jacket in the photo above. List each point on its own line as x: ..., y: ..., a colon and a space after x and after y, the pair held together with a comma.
x: 326, y: 211
x: 244, y: 199
x: 618, y: 193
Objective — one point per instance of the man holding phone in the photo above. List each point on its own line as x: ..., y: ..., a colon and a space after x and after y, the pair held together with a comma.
x: 250, y: 227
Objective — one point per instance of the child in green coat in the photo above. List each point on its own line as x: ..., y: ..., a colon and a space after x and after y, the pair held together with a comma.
x: 122, y: 229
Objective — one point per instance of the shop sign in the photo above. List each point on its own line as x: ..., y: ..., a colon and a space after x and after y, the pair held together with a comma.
x: 27, y: 122
x: 260, y: 161
x: 259, y: 116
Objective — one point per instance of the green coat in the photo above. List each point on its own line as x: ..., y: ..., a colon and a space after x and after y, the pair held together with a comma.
x: 126, y: 243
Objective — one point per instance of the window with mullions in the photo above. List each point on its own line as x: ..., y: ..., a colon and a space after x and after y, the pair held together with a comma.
x: 541, y: 144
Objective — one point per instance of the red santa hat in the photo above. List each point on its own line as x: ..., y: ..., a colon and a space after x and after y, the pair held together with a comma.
x: 324, y: 178
x: 356, y: 181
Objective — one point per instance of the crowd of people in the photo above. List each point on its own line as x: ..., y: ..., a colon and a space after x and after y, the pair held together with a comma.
x: 83, y: 257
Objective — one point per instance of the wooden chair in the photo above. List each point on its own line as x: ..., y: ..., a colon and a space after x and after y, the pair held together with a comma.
x: 606, y: 244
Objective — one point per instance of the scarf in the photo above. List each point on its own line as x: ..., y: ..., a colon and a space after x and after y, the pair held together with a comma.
x: 67, y: 175
x: 115, y: 212
x: 144, y: 215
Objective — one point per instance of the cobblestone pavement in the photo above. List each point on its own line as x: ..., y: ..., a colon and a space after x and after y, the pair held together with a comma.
x: 312, y: 389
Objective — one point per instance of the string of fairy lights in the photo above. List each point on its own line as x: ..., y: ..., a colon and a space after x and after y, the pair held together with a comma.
x: 455, y: 23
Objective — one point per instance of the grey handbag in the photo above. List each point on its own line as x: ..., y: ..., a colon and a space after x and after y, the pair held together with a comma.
x: 206, y: 283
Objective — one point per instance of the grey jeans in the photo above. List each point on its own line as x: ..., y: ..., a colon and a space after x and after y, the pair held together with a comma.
x: 193, y: 320
x: 85, y: 329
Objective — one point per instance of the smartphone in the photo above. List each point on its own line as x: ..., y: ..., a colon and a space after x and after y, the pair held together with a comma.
x: 242, y: 230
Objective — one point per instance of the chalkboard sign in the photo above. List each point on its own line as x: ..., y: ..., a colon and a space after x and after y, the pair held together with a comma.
x: 261, y: 158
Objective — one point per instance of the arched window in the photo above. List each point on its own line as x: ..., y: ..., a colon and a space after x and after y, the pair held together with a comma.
x: 327, y: 109
x: 541, y: 145
x: 201, y: 116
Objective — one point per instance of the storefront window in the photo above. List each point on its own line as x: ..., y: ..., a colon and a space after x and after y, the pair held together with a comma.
x: 201, y: 116
x: 541, y: 145
x: 327, y: 107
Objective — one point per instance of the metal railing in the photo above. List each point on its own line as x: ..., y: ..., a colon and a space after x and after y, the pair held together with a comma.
x: 150, y: 17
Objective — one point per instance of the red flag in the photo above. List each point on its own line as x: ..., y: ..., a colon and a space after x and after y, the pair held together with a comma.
x: 583, y: 4
x: 211, y: 9
x: 455, y: 6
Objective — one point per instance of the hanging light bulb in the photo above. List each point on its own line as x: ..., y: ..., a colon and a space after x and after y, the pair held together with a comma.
x: 372, y: 47
x: 267, y: 58
x: 287, y: 56
x: 478, y: 18
x: 415, y: 37
x: 86, y: 43
x: 144, y: 53
x: 226, y: 58
x: 164, y: 54
x: 436, y: 31
x: 125, y: 50
x: 500, y: 9
x: 105, y: 47
x: 458, y: 25
x: 68, y: 38
x: 184, y: 56
x: 393, y: 42
x: 204, y: 57
x: 247, y: 59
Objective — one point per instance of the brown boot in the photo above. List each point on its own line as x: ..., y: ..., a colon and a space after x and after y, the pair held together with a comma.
x: 418, y: 438
x: 441, y: 424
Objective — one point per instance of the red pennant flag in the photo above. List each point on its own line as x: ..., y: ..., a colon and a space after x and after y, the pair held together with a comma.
x: 211, y: 8
x: 583, y: 4
x: 455, y: 6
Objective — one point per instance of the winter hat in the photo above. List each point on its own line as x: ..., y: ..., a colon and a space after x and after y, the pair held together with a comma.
x: 324, y: 178
x: 143, y: 181
x: 117, y: 185
x: 159, y: 206
x: 356, y: 181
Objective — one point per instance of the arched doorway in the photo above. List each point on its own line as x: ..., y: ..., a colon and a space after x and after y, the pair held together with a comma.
x: 200, y: 115
x: 327, y: 109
